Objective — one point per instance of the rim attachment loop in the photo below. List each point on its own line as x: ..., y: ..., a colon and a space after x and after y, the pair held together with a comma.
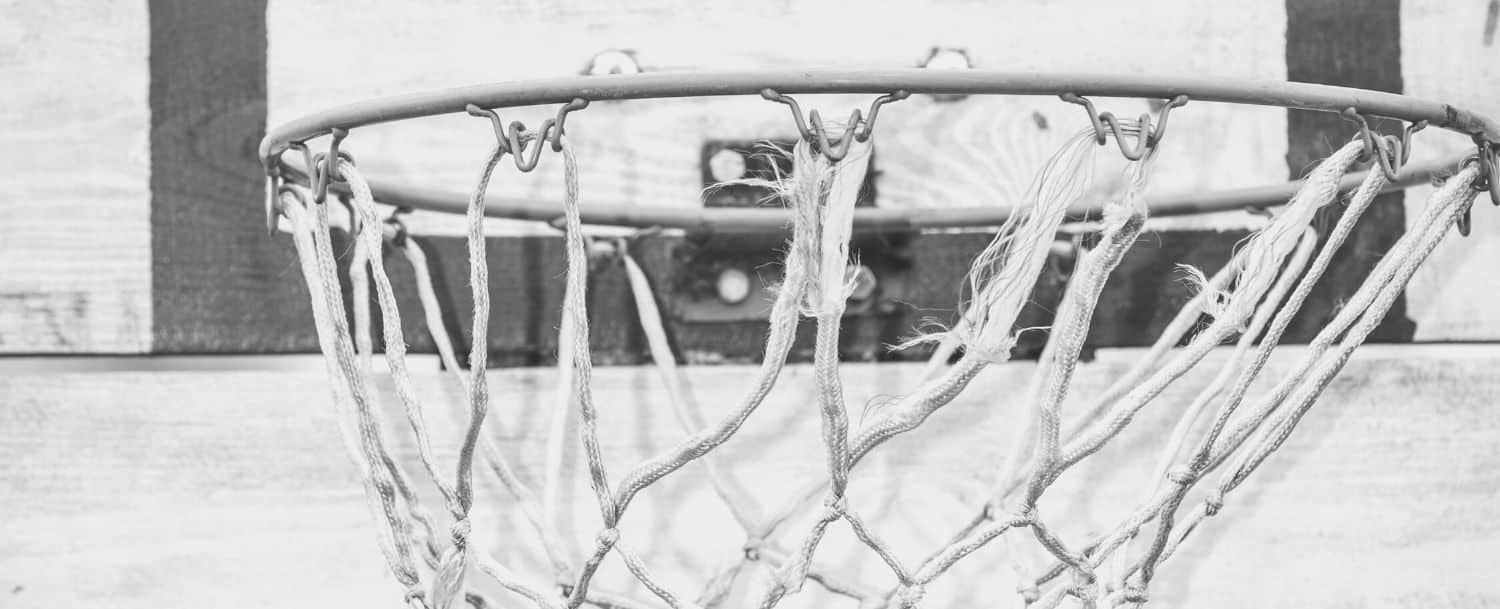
x: 1388, y: 151
x: 1488, y: 158
x: 320, y: 172
x: 814, y: 132
x: 1149, y: 136
x: 515, y: 139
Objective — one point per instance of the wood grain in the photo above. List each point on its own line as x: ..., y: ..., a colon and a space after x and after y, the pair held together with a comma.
x: 1446, y: 56
x: 975, y: 152
x: 1348, y: 43
x: 218, y: 283
x: 180, y: 488
x: 75, y: 240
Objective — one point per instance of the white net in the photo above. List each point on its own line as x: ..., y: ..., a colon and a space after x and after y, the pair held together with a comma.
x: 1224, y: 431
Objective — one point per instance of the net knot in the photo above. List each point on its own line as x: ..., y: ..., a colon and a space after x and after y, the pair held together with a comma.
x: 910, y: 596
x: 988, y: 355
x: 1182, y: 475
x: 448, y: 578
x: 1084, y: 593
x: 1026, y: 517
x: 1135, y: 594
x: 608, y: 538
x: 476, y: 601
x: 834, y: 508
x: 415, y: 596
x: 460, y: 532
x: 1083, y: 585
x: 1213, y: 503
x: 407, y: 577
x: 752, y: 548
x: 1029, y: 592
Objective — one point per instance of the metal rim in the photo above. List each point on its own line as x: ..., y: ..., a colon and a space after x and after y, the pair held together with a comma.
x: 1305, y: 96
x: 762, y: 220
x: 577, y: 91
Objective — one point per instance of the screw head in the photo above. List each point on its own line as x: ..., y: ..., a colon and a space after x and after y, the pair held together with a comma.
x: 726, y: 165
x: 732, y: 286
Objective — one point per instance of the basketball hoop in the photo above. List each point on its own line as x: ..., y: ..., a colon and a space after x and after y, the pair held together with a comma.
x: 1225, y: 431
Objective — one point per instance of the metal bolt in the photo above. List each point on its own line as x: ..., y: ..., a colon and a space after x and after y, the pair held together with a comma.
x: 732, y: 286
x: 726, y: 165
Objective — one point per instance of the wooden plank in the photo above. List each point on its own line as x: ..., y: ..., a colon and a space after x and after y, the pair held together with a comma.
x: 1351, y: 43
x: 931, y: 153
x: 920, y: 280
x: 75, y: 263
x: 975, y: 152
x: 1450, y: 54
x: 181, y: 488
x: 218, y: 283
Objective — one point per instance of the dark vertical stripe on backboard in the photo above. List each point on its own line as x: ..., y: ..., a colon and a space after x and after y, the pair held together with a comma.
x: 218, y: 283
x: 1354, y: 43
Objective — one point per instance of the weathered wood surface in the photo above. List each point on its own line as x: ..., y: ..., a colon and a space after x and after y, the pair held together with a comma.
x: 1450, y: 53
x: 1345, y: 43
x: 973, y: 152
x: 75, y: 202
x: 230, y: 486
x: 219, y: 285
x: 123, y: 107
x: 976, y: 152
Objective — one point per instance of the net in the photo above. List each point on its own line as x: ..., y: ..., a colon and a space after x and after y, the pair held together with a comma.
x: 1223, y: 434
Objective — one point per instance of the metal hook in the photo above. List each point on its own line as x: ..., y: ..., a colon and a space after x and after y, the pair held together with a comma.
x: 320, y: 172
x: 515, y: 138
x: 1406, y: 139
x: 319, y: 175
x: 561, y: 121
x: 815, y: 133
x: 273, y: 196
x: 1380, y: 147
x: 1143, y: 143
x: 864, y: 134
x: 495, y: 123
x: 519, y: 137
x: 1149, y: 136
x: 512, y: 140
x: 399, y: 239
x: 1088, y: 106
x: 274, y: 209
x: 1488, y: 159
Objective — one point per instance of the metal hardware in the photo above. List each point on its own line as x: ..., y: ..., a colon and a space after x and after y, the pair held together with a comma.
x: 320, y: 172
x: 515, y: 139
x: 1304, y: 96
x: 1488, y: 159
x: 815, y: 133
x: 729, y: 220
x: 274, y: 183
x: 1389, y: 152
x: 398, y: 226
x: 1149, y: 136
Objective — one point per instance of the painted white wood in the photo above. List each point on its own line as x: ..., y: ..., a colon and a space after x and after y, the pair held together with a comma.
x: 1445, y: 57
x: 129, y: 489
x: 75, y: 239
x: 976, y: 152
